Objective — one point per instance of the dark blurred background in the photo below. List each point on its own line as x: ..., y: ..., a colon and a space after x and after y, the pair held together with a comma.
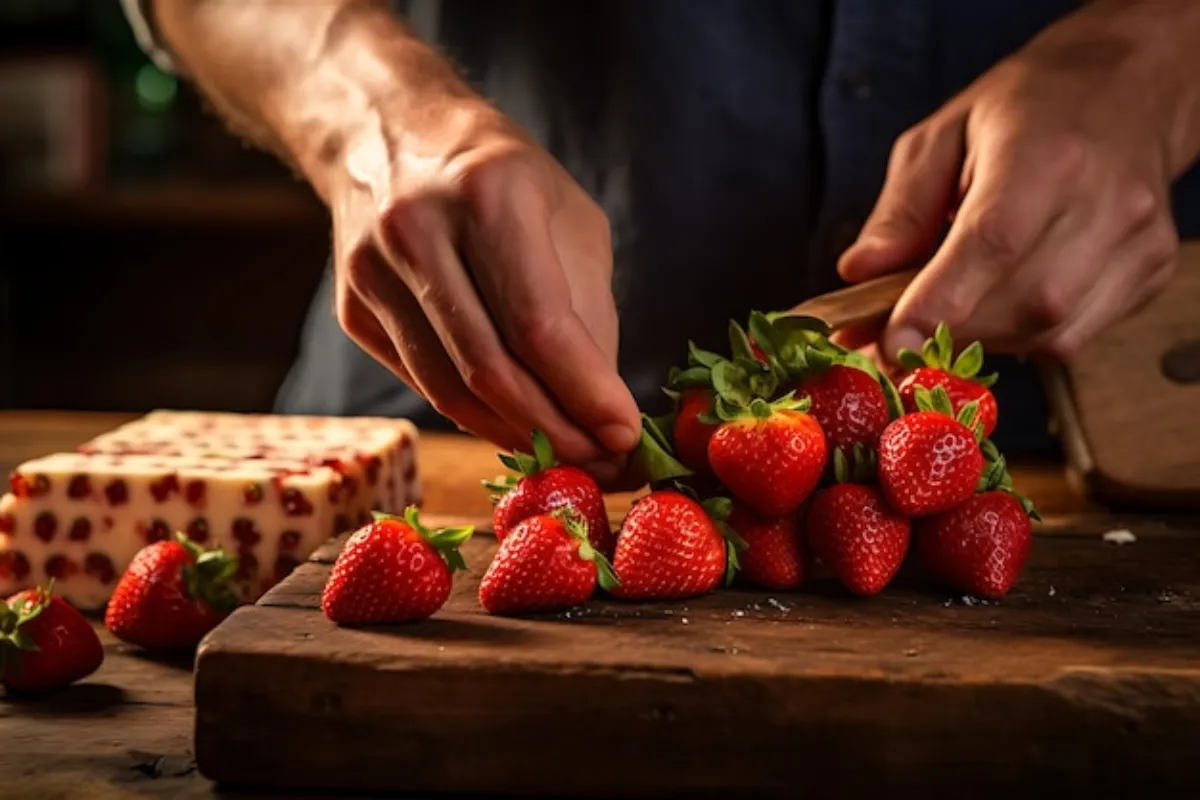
x: 147, y: 257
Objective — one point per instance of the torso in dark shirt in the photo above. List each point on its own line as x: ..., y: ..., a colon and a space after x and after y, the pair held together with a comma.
x: 737, y: 147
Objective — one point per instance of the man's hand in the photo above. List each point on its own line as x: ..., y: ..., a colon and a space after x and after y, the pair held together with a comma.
x: 1052, y: 173
x: 479, y: 272
x: 467, y: 260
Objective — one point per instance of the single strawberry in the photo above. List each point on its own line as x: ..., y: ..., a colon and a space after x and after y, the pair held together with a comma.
x: 978, y: 547
x: 929, y: 461
x: 45, y: 643
x: 172, y: 594
x: 770, y: 455
x: 855, y: 533
x: 546, y: 563
x: 774, y: 556
x: 936, y: 366
x: 691, y: 432
x: 850, y: 405
x: 393, y: 570
x: 670, y: 547
x: 543, y: 486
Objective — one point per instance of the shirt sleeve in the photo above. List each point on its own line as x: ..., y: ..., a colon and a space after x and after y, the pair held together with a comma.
x: 141, y: 20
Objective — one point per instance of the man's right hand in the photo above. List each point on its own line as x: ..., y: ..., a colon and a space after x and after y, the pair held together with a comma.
x: 467, y: 260
x: 472, y: 265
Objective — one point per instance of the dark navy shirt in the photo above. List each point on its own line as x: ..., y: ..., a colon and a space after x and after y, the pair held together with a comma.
x: 737, y: 147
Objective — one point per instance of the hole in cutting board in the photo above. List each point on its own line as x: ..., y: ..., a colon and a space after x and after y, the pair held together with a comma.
x: 1181, y: 363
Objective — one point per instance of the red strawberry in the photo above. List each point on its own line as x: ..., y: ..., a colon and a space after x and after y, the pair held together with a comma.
x: 172, y: 594
x: 929, y: 461
x: 670, y: 548
x: 771, y: 455
x: 980, y: 547
x: 45, y: 643
x: 936, y: 366
x: 393, y: 570
x: 546, y: 563
x: 850, y: 405
x: 856, y: 534
x: 691, y: 434
x: 544, y: 486
x: 774, y: 556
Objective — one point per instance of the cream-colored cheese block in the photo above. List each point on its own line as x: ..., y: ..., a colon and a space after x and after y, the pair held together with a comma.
x: 270, y: 489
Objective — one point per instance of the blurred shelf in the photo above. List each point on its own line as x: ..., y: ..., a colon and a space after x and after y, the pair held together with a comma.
x: 167, y: 203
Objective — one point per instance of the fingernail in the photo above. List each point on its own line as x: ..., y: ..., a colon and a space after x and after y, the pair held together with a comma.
x: 603, y: 471
x: 617, y: 438
x: 900, y: 338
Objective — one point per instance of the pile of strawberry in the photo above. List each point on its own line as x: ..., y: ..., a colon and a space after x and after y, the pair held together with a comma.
x: 793, y: 450
x: 825, y: 459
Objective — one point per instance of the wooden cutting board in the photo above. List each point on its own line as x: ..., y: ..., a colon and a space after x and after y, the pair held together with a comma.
x: 1128, y: 407
x: 1087, y: 678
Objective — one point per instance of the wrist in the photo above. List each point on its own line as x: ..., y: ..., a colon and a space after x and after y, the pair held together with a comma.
x: 372, y: 86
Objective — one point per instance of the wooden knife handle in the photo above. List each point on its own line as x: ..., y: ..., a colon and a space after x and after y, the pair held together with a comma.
x: 870, y: 301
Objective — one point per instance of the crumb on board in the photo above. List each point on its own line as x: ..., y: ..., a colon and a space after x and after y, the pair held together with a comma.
x: 1120, y: 536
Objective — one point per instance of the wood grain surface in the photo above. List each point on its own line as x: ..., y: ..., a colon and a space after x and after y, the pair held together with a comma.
x: 1087, y: 677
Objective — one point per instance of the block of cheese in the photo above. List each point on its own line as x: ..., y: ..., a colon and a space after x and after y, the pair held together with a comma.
x: 237, y: 481
x: 375, y: 452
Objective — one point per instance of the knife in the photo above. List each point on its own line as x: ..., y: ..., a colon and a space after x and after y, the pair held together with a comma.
x: 863, y: 303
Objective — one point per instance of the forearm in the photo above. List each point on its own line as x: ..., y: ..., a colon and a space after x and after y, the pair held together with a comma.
x: 305, y: 79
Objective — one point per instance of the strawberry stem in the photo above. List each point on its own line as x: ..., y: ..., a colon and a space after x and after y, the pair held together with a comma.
x: 446, y: 541
x: 576, y: 529
x: 209, y: 577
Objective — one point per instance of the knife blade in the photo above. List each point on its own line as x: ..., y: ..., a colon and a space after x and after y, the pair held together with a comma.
x: 862, y: 303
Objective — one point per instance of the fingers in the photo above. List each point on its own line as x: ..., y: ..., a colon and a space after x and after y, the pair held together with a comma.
x: 1135, y: 274
x: 525, y: 286
x: 1016, y: 195
x: 386, y: 321
x: 419, y: 235
x: 918, y: 193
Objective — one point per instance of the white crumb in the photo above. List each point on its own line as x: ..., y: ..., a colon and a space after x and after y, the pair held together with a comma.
x: 1120, y: 536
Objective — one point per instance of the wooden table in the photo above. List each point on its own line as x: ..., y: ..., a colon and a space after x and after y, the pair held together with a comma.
x: 127, y: 732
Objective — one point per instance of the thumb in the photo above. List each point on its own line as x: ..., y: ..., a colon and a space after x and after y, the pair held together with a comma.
x: 923, y: 173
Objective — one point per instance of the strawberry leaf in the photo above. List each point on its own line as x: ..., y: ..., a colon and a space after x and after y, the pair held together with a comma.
x: 739, y: 342
x: 764, y: 334
x: 969, y: 361
x: 689, y: 378
x: 892, y: 395
x: 841, y: 467
x: 653, y: 456
x: 701, y: 358
x: 987, y: 381
x: 929, y: 353
x: 445, y: 541
x: 731, y: 383
x: 719, y: 508
x: 944, y: 345
x: 543, y: 453
x: 909, y: 359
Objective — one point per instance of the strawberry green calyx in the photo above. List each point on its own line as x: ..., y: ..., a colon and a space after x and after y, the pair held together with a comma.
x: 209, y: 578
x: 996, y: 477
x: 719, y: 509
x: 573, y: 524
x: 938, y: 353
x: 655, y: 456
x: 757, y: 408
x: 526, y: 464
x: 860, y: 467
x: 523, y: 464
x: 696, y: 374
x: 787, y: 341
x: 13, y: 615
x: 446, y: 541
x: 938, y: 400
